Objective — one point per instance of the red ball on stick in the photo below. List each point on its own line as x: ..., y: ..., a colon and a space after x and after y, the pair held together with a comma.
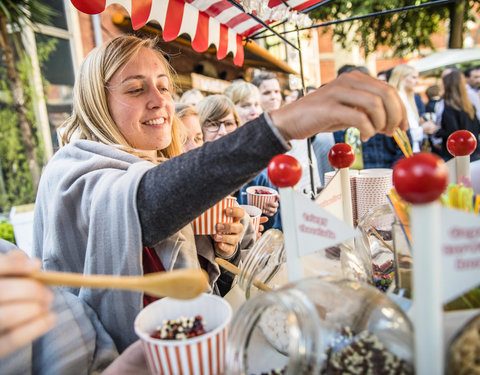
x: 421, y: 178
x: 341, y: 155
x: 284, y: 171
x: 461, y: 143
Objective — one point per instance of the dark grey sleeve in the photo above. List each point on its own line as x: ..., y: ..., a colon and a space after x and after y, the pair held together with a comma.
x: 178, y: 190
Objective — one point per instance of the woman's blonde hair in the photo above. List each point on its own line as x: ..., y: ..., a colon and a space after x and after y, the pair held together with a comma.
x: 397, y: 79
x: 91, y: 118
x: 241, y: 91
x: 214, y: 108
x: 455, y: 93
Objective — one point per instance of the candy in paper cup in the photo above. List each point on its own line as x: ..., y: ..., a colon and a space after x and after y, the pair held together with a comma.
x: 258, y: 196
x: 254, y: 213
x: 206, y: 222
x: 204, y: 354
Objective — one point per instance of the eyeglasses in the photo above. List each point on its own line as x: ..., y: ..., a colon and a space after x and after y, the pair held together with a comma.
x: 214, y: 126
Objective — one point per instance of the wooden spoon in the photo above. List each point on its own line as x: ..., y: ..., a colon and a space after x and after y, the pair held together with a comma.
x: 236, y: 271
x: 179, y: 284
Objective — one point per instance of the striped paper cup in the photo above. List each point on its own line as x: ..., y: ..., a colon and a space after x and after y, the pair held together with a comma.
x: 254, y: 213
x: 204, y: 354
x: 259, y: 195
x: 206, y: 222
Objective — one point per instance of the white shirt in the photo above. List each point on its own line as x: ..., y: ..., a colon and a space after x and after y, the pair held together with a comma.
x: 416, y: 131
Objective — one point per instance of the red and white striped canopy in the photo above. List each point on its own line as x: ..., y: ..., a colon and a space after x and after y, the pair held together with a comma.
x: 216, y: 22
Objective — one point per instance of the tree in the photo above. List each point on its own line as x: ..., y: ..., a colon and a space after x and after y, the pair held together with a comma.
x: 405, y: 31
x: 15, y: 14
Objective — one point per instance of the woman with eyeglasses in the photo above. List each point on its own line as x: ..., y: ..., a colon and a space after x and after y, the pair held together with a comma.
x: 219, y: 117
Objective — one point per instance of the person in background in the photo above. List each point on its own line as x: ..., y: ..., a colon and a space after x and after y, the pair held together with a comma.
x: 350, y: 68
x: 34, y: 320
x: 189, y: 117
x: 404, y: 78
x: 245, y: 97
x: 472, y: 95
x: 433, y: 95
x: 126, y: 194
x: 293, y: 95
x: 458, y: 114
x: 270, y: 93
x: 191, y: 97
x: 384, y: 75
x: 472, y: 76
x: 271, y: 99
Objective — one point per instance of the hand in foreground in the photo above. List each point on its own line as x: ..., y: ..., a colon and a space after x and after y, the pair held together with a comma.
x: 131, y: 361
x: 352, y: 100
x: 271, y: 207
x: 228, y: 234
x: 24, y: 304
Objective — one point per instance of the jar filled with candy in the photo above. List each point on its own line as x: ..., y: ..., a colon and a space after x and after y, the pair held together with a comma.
x: 265, y: 265
x: 320, y: 326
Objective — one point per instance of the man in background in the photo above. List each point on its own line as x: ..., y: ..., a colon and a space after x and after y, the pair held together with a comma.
x: 271, y: 99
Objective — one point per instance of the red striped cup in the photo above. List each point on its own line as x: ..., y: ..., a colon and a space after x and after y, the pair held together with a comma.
x: 206, y: 222
x: 256, y: 197
x: 254, y: 213
x: 204, y: 354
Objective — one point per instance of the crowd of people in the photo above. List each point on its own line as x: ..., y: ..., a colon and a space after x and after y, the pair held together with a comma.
x: 136, y: 169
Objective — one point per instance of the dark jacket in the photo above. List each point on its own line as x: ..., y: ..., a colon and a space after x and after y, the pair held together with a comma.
x: 453, y: 120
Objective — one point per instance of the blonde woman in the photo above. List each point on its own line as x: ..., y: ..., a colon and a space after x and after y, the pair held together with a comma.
x: 189, y: 117
x: 404, y: 78
x: 246, y: 98
x: 119, y: 196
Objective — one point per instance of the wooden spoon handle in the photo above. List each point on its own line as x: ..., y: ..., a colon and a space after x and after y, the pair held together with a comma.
x: 236, y: 271
x: 92, y: 281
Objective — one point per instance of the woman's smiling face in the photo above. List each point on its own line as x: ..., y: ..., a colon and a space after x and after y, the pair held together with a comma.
x: 140, y: 102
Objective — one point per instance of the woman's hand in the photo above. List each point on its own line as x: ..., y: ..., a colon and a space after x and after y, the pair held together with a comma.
x: 352, y: 100
x: 228, y: 234
x: 271, y: 207
x: 24, y: 304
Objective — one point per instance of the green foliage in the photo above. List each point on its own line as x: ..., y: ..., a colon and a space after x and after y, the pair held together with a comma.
x: 17, y: 183
x: 405, y: 32
x: 6, y: 231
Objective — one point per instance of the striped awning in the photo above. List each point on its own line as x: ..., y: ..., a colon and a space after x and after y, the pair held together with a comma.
x: 207, y: 22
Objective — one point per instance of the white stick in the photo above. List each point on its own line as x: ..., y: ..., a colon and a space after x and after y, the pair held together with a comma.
x: 427, y: 266
x: 289, y: 225
x: 346, y: 196
x: 462, y: 164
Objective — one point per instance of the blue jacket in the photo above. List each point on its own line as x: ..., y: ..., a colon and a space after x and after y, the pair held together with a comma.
x: 379, y: 151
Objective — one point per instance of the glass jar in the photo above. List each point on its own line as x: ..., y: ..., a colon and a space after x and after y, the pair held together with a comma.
x: 384, y: 239
x: 320, y: 326
x: 463, y: 353
x: 266, y: 263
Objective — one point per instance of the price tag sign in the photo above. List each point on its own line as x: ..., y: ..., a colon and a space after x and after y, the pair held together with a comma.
x: 460, y: 252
